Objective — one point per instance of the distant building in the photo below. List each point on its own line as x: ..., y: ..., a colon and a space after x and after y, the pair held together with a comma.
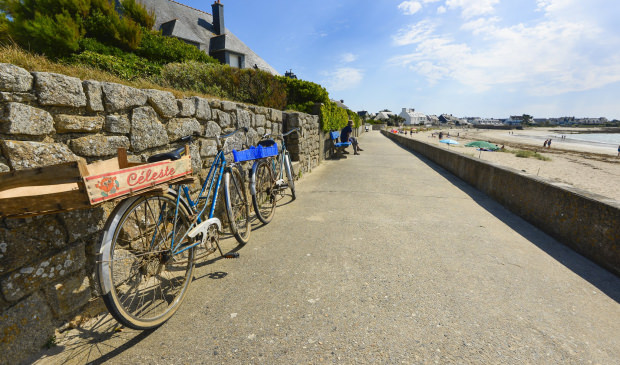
x: 514, y: 120
x: 364, y: 115
x: 340, y: 103
x: 384, y: 115
x: 412, y: 117
x: 432, y: 120
x: 205, y: 31
x: 290, y: 74
x: 449, y: 119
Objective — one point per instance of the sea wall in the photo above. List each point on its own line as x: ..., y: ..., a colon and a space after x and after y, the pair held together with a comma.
x: 588, y: 223
x: 47, y: 262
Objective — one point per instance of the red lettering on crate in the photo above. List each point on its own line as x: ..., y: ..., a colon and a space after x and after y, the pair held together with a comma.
x: 149, y: 175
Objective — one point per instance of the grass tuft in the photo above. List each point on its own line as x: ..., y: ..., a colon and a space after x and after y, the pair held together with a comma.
x: 14, y: 55
x: 528, y: 154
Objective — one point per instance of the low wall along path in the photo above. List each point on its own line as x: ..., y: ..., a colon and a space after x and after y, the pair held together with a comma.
x: 588, y: 223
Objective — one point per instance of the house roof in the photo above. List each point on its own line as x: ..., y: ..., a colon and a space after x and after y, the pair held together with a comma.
x: 196, y: 26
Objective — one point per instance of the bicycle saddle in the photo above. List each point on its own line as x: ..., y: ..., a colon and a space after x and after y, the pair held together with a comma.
x: 172, y: 155
x: 267, y: 142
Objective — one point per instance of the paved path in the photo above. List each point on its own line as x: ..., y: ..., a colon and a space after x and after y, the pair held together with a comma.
x: 383, y: 258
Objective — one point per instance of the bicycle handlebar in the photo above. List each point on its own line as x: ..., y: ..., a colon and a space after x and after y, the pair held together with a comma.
x: 282, y: 135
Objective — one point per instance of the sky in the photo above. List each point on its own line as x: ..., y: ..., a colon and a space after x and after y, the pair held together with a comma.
x: 469, y: 58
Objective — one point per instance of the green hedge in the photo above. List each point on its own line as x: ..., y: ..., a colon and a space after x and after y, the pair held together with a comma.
x: 302, y: 95
x: 244, y: 85
x: 126, y: 66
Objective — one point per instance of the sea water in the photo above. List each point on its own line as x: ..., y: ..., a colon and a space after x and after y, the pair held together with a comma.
x: 612, y: 139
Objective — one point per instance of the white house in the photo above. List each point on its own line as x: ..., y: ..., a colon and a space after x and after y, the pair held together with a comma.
x: 412, y: 117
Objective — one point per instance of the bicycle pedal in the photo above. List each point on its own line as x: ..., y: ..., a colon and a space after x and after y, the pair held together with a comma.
x: 231, y: 255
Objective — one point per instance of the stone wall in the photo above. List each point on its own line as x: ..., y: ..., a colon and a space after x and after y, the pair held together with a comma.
x: 47, y: 262
x: 588, y: 223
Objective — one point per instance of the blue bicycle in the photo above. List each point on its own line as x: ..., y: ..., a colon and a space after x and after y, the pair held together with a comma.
x: 271, y: 177
x: 151, y: 241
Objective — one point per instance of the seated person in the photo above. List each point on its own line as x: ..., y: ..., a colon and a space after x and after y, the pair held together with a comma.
x: 345, y: 136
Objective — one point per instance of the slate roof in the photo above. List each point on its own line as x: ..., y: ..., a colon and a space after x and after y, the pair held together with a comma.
x: 196, y: 26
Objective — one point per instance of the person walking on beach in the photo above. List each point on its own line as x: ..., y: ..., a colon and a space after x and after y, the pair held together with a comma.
x: 545, y: 144
x: 549, y: 144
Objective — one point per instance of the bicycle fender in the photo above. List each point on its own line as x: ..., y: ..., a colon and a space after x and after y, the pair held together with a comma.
x: 253, y: 179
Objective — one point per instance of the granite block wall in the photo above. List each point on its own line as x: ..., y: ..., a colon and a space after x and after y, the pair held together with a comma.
x: 47, y: 262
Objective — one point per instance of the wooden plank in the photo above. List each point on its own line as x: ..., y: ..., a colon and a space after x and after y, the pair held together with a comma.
x: 44, y: 204
x: 57, y: 174
x: 116, y: 183
x: 34, y: 191
x: 103, y: 167
x: 122, y: 158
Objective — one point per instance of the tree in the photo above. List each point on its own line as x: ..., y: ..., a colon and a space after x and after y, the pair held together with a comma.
x: 4, y: 28
x: 395, y: 120
x: 527, y: 119
x: 55, y: 27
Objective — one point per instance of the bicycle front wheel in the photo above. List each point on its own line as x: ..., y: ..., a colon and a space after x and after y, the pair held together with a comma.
x: 264, y: 200
x: 290, y: 174
x: 142, y: 281
x: 237, y: 205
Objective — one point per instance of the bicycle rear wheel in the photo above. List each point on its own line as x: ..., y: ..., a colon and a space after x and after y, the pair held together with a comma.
x: 143, y: 283
x: 290, y: 174
x: 237, y: 205
x: 264, y: 200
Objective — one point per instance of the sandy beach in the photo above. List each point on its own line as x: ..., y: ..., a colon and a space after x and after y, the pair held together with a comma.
x: 588, y: 166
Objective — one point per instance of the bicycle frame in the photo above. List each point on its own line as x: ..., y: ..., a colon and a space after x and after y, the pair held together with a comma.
x: 211, y: 186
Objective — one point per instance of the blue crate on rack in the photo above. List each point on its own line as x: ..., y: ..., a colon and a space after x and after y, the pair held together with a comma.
x: 254, y: 153
x: 268, y: 151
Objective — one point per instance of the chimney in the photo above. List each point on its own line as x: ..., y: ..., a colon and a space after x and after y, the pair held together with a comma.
x: 218, y: 18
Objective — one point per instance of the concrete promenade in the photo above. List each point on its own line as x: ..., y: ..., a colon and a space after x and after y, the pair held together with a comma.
x: 383, y: 258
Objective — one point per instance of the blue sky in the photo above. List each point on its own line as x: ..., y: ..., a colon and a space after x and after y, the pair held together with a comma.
x: 487, y: 58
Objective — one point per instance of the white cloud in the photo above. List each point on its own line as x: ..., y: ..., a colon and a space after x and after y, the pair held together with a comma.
x: 481, y: 25
x: 568, y: 50
x: 441, y: 10
x: 410, y: 7
x: 343, y: 78
x: 348, y: 57
x: 472, y: 8
x: 414, y: 33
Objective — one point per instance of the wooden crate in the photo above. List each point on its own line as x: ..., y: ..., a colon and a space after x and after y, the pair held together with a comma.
x: 75, y: 185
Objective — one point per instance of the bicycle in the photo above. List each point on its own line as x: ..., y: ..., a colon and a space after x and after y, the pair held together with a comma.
x: 148, y: 250
x: 270, y: 178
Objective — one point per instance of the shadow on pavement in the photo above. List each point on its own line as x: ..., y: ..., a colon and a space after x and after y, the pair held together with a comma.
x: 596, y: 275
x: 92, y: 343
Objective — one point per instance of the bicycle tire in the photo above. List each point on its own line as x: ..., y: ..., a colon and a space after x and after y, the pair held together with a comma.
x: 237, y: 205
x: 142, y: 283
x: 263, y: 199
x: 290, y: 174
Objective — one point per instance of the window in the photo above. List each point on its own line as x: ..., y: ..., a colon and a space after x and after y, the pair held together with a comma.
x: 235, y: 60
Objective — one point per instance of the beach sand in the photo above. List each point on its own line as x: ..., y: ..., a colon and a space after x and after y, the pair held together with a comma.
x: 592, y: 168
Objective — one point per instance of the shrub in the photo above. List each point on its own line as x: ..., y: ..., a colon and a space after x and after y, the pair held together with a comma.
x: 54, y: 35
x: 244, y: 85
x: 161, y: 49
x: 4, y: 29
x: 333, y: 117
x: 138, y: 14
x: 127, y: 66
x: 302, y: 95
